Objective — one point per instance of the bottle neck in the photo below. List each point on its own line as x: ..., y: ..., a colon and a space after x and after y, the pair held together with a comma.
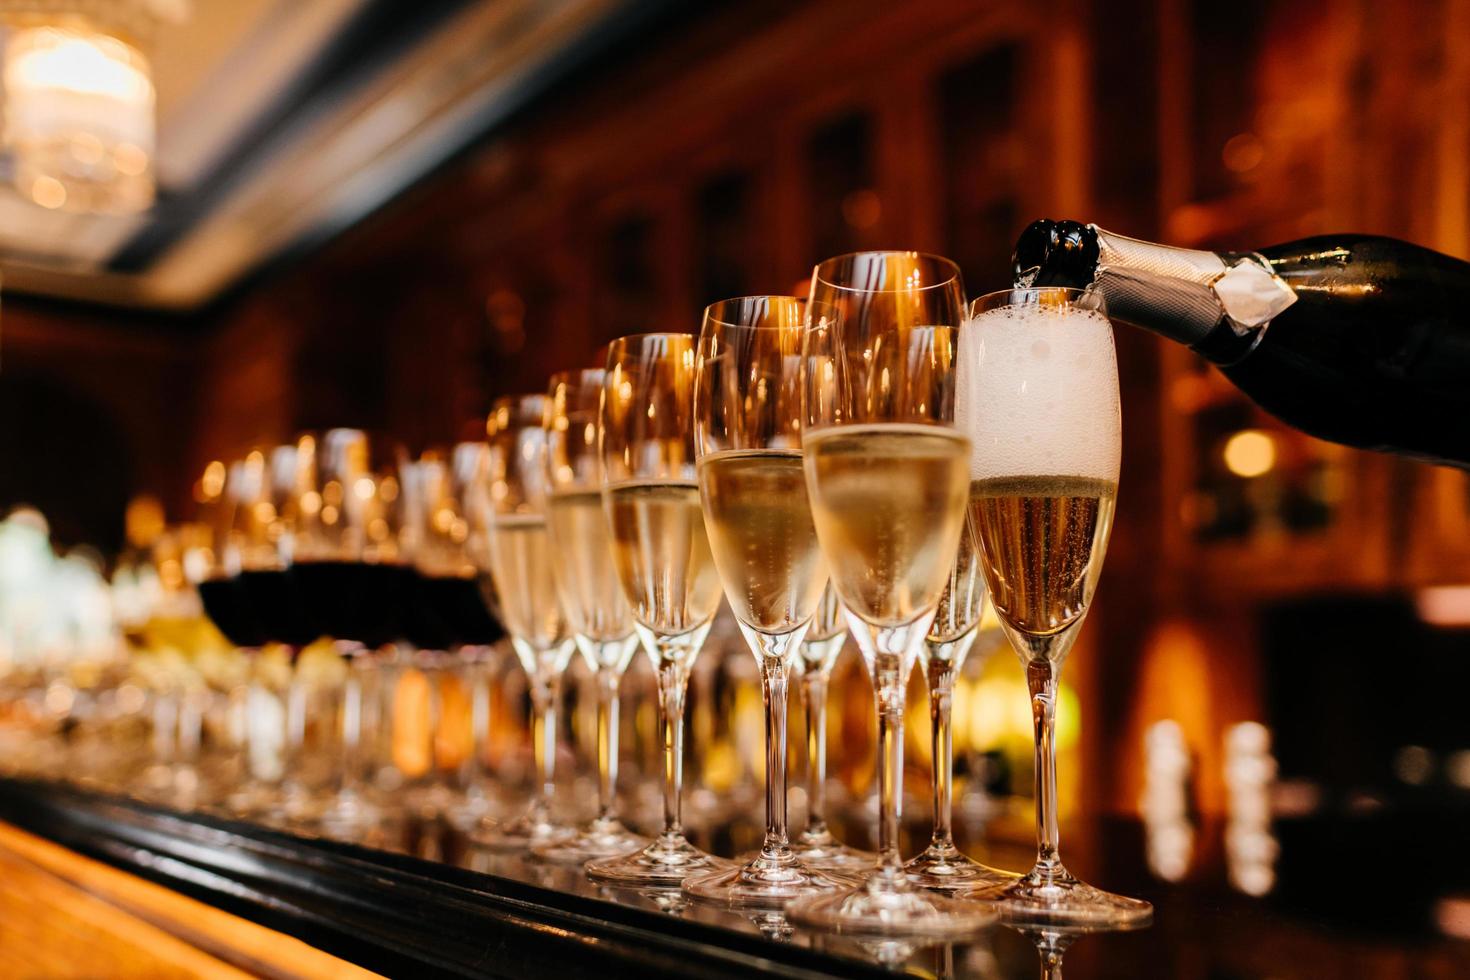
x: 1216, y: 304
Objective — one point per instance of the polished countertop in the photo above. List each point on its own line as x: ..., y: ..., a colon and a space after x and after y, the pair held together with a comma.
x: 1386, y: 896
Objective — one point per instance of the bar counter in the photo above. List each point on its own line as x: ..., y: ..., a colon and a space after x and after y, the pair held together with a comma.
x: 471, y: 913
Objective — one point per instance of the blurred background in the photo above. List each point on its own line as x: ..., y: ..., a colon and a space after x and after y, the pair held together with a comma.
x: 384, y: 215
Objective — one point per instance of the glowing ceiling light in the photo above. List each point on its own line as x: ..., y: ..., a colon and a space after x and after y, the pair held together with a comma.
x: 79, y: 117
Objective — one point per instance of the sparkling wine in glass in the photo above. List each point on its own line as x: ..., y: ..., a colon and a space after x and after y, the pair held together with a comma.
x: 651, y: 499
x: 885, y: 470
x: 521, y: 565
x: 815, y: 846
x: 1038, y: 396
x: 951, y: 636
x: 747, y: 421
x: 591, y: 594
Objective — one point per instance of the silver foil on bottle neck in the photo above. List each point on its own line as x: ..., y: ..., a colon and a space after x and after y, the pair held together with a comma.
x: 1183, y: 293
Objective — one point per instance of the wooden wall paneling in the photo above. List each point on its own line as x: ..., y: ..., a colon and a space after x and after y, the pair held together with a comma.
x: 80, y: 395
x: 786, y: 194
x: 1436, y: 514
x: 1452, y: 144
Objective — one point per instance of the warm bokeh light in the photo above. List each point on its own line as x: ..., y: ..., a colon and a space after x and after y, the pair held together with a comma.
x: 1250, y: 453
x: 1444, y: 605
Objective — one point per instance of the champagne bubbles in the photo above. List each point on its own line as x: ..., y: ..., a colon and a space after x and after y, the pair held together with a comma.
x: 1037, y: 392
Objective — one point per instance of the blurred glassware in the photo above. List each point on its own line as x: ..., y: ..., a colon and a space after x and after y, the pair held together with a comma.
x: 349, y: 575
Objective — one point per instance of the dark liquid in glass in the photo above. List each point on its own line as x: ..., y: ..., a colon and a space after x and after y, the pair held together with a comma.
x: 227, y: 606
x: 455, y: 612
x: 355, y: 601
x: 277, y: 604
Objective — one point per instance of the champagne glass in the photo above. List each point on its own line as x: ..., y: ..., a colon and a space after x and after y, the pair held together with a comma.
x: 1038, y: 396
x: 885, y: 469
x: 590, y: 593
x: 521, y: 566
x: 815, y: 846
x: 747, y: 422
x: 951, y: 636
x: 663, y: 561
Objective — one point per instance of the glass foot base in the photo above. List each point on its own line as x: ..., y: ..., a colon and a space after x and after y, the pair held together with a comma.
x: 1059, y: 898
x: 946, y: 868
x: 603, y: 838
x: 887, y: 905
x: 667, y: 861
x: 766, y: 882
x: 826, y: 853
x: 347, y: 818
x: 520, y: 834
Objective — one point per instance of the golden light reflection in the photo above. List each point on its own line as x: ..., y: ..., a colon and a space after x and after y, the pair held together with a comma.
x: 212, y: 483
x: 1250, y: 453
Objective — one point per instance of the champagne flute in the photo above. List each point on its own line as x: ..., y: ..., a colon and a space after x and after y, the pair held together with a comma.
x: 590, y: 593
x: 815, y: 846
x: 521, y: 567
x: 747, y: 421
x: 885, y: 469
x: 663, y: 560
x: 951, y: 636
x: 1038, y: 396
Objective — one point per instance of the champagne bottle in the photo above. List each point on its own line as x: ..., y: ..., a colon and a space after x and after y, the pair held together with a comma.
x: 1357, y: 339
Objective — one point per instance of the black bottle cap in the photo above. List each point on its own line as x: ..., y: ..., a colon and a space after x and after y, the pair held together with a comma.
x: 1055, y: 253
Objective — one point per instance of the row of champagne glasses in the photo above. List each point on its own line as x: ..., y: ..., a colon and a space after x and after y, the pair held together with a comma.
x: 879, y: 436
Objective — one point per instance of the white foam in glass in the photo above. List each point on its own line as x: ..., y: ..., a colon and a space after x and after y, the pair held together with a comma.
x: 1038, y: 393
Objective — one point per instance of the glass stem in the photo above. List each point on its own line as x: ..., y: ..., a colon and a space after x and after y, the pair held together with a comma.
x: 773, y: 691
x: 477, y: 766
x: 607, y: 744
x: 166, y: 725
x: 941, y: 700
x: 431, y: 665
x: 262, y: 758
x: 673, y: 680
x: 889, y: 690
x: 352, y: 707
x: 191, y: 725
x: 543, y: 727
x: 1041, y: 678
x: 814, y: 683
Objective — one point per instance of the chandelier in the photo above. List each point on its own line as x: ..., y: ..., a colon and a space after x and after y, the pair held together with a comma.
x: 79, y: 102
